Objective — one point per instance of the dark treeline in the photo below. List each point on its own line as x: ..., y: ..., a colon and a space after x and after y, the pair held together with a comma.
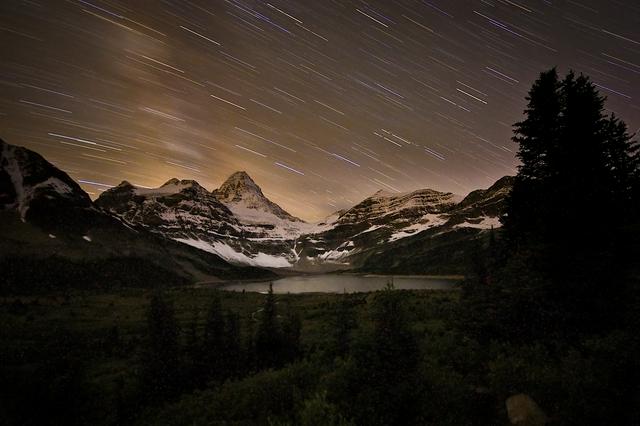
x: 566, y: 260
x: 219, y: 352
x: 560, y: 282
x: 367, y: 377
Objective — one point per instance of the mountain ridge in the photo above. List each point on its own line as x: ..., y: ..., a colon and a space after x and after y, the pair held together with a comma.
x: 241, y: 225
x: 346, y: 239
x: 52, y: 234
x: 240, y: 193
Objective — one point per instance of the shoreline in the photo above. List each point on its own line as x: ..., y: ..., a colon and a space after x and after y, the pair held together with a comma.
x: 223, y: 283
x: 451, y: 277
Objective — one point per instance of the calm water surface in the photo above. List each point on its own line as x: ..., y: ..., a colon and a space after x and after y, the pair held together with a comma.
x: 333, y: 283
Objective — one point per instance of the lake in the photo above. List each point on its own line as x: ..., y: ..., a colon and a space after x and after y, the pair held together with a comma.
x: 338, y: 283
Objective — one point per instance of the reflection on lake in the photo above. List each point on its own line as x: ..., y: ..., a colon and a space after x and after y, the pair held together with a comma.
x: 338, y: 283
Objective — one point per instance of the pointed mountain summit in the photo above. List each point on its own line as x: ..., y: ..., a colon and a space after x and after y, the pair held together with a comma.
x: 245, y: 199
x: 384, y: 207
x: 185, y: 200
x: 239, y: 186
x: 177, y: 185
x: 53, y: 236
x: 236, y: 222
x: 37, y: 190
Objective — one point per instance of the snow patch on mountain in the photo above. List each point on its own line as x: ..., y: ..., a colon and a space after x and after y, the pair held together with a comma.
x: 341, y: 252
x: 245, y: 198
x: 228, y: 253
x: 485, y: 222
x: 370, y: 229
x: 426, y: 222
x: 173, y: 186
x: 17, y: 162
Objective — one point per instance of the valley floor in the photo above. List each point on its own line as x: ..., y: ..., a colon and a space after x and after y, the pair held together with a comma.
x: 76, y: 357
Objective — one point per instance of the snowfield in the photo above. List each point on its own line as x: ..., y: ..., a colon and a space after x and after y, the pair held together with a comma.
x: 229, y: 254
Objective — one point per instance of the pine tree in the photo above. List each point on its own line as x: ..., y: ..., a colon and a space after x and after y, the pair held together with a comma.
x: 268, y: 339
x: 250, y: 364
x: 193, y: 359
x: 344, y: 321
x: 537, y: 137
x: 381, y: 379
x: 233, y: 345
x: 575, y: 182
x: 622, y: 157
x: 161, y: 366
x: 291, y: 330
x: 213, y: 342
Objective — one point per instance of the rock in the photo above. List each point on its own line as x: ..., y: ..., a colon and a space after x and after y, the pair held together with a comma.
x: 523, y: 411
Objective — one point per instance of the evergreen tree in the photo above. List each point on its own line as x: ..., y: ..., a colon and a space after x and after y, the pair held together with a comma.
x: 193, y: 359
x: 570, y: 196
x: 537, y: 137
x: 344, y: 321
x: 161, y: 366
x: 214, y: 342
x: 381, y: 386
x: 291, y: 329
x: 112, y: 342
x: 268, y: 339
x: 249, y: 347
x: 233, y: 345
x: 622, y: 157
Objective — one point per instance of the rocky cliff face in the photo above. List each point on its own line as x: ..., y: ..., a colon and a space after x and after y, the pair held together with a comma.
x: 237, y: 222
x: 178, y: 209
x: 245, y: 198
x: 240, y: 224
x: 51, y: 233
x: 38, y: 191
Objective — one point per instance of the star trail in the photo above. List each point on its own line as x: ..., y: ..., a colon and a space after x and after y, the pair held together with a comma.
x: 321, y: 102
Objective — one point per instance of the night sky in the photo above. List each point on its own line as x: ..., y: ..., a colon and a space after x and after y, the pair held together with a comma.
x: 322, y: 102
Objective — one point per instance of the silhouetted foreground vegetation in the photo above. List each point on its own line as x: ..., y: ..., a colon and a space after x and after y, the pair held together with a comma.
x: 199, y: 356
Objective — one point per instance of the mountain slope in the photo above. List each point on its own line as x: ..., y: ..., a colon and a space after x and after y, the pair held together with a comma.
x: 51, y: 234
x: 245, y: 198
x: 423, y: 231
x: 373, y: 222
x: 39, y: 192
x: 236, y: 222
x: 240, y: 224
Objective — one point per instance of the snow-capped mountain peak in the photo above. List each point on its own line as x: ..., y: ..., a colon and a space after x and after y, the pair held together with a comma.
x: 245, y: 199
x: 383, y: 207
x: 239, y: 187
x: 26, y: 179
x: 383, y: 193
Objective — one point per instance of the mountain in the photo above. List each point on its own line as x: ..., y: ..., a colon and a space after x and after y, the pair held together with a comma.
x: 445, y: 246
x: 242, y: 196
x: 52, y: 235
x: 373, y: 223
x: 420, y: 232
x: 37, y: 191
x: 423, y: 231
x: 482, y: 208
x: 179, y: 208
x: 386, y: 208
x: 235, y: 221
